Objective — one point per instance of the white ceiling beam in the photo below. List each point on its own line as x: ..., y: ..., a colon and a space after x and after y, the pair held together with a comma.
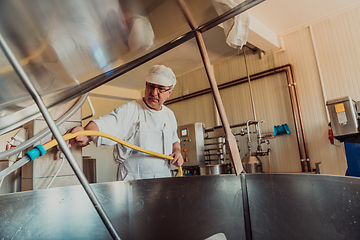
x: 261, y: 36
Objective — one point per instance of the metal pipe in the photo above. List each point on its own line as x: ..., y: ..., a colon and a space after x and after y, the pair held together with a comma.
x: 35, y: 95
x: 295, y: 122
x: 91, y: 108
x: 230, y: 138
x: 232, y: 126
x: 300, y: 119
x: 248, y: 138
x: 45, y: 132
x: 250, y: 89
x: 259, y: 136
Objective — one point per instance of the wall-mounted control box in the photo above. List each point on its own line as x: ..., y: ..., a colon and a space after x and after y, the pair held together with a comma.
x: 344, y: 117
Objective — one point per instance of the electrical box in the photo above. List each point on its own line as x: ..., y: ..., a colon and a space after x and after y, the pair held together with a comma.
x: 344, y: 117
x: 192, y: 144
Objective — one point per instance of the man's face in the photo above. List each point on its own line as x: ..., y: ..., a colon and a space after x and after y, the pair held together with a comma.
x: 156, y: 95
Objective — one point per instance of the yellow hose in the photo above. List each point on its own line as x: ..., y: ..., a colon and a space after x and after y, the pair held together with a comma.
x: 68, y: 136
x: 269, y: 163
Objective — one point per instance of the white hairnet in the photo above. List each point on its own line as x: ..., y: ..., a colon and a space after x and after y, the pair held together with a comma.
x: 161, y: 75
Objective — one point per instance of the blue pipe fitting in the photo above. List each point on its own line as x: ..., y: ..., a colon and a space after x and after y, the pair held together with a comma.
x: 37, y: 151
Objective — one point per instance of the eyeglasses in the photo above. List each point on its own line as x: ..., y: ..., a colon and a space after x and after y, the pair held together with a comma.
x: 151, y: 87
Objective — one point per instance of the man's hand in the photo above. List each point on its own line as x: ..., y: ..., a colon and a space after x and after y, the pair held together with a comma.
x: 178, y: 159
x: 80, y: 140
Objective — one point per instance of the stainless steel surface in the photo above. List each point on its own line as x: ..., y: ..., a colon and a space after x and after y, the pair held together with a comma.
x: 252, y: 164
x: 192, y: 143
x: 214, y: 169
x: 343, y: 117
x: 61, y: 142
x: 70, y: 47
x: 303, y: 206
x: 280, y: 206
x: 172, y: 208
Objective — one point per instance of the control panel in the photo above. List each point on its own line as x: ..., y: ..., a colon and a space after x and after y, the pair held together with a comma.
x: 192, y: 143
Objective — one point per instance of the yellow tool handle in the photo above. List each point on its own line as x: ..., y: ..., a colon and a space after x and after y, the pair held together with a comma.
x: 68, y: 136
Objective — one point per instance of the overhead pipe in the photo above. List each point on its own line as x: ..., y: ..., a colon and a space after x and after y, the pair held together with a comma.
x: 230, y: 138
x: 259, y: 75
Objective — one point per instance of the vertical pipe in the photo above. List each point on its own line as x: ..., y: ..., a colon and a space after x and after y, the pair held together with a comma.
x: 251, y: 93
x: 35, y: 95
x: 295, y: 121
x: 319, y: 70
x: 300, y: 119
x: 230, y: 138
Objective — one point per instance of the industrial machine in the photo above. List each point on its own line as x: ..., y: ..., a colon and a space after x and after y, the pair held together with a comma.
x: 345, y: 124
x: 192, y: 144
x: 251, y: 161
x: 345, y: 118
x: 204, y: 150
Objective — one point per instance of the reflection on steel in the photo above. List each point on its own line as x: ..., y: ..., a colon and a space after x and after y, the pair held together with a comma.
x: 35, y: 95
x: 72, y: 67
x: 264, y: 206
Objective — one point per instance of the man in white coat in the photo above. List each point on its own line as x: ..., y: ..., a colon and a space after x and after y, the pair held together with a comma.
x: 146, y: 123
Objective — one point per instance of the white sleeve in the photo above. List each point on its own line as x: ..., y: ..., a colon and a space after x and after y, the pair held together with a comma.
x: 117, y: 123
x: 175, y: 137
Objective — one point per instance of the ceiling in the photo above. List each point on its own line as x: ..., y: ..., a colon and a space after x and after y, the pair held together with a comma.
x: 276, y: 17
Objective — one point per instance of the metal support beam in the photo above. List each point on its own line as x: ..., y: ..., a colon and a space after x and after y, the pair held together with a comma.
x: 230, y: 138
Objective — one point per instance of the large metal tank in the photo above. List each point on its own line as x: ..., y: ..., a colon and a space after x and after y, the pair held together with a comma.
x: 248, y: 206
x: 68, y: 48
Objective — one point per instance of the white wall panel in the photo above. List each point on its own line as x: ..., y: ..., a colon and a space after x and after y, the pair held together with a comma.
x: 337, y: 43
x: 190, y: 82
x: 198, y: 109
x: 272, y: 104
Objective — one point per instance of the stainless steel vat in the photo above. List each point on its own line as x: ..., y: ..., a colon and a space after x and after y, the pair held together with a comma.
x: 213, y: 169
x: 264, y: 206
x: 252, y: 164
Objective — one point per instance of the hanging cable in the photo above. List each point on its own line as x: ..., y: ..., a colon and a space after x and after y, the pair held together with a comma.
x: 62, y: 156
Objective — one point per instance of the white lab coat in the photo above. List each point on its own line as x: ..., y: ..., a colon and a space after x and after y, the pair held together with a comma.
x: 153, y: 130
